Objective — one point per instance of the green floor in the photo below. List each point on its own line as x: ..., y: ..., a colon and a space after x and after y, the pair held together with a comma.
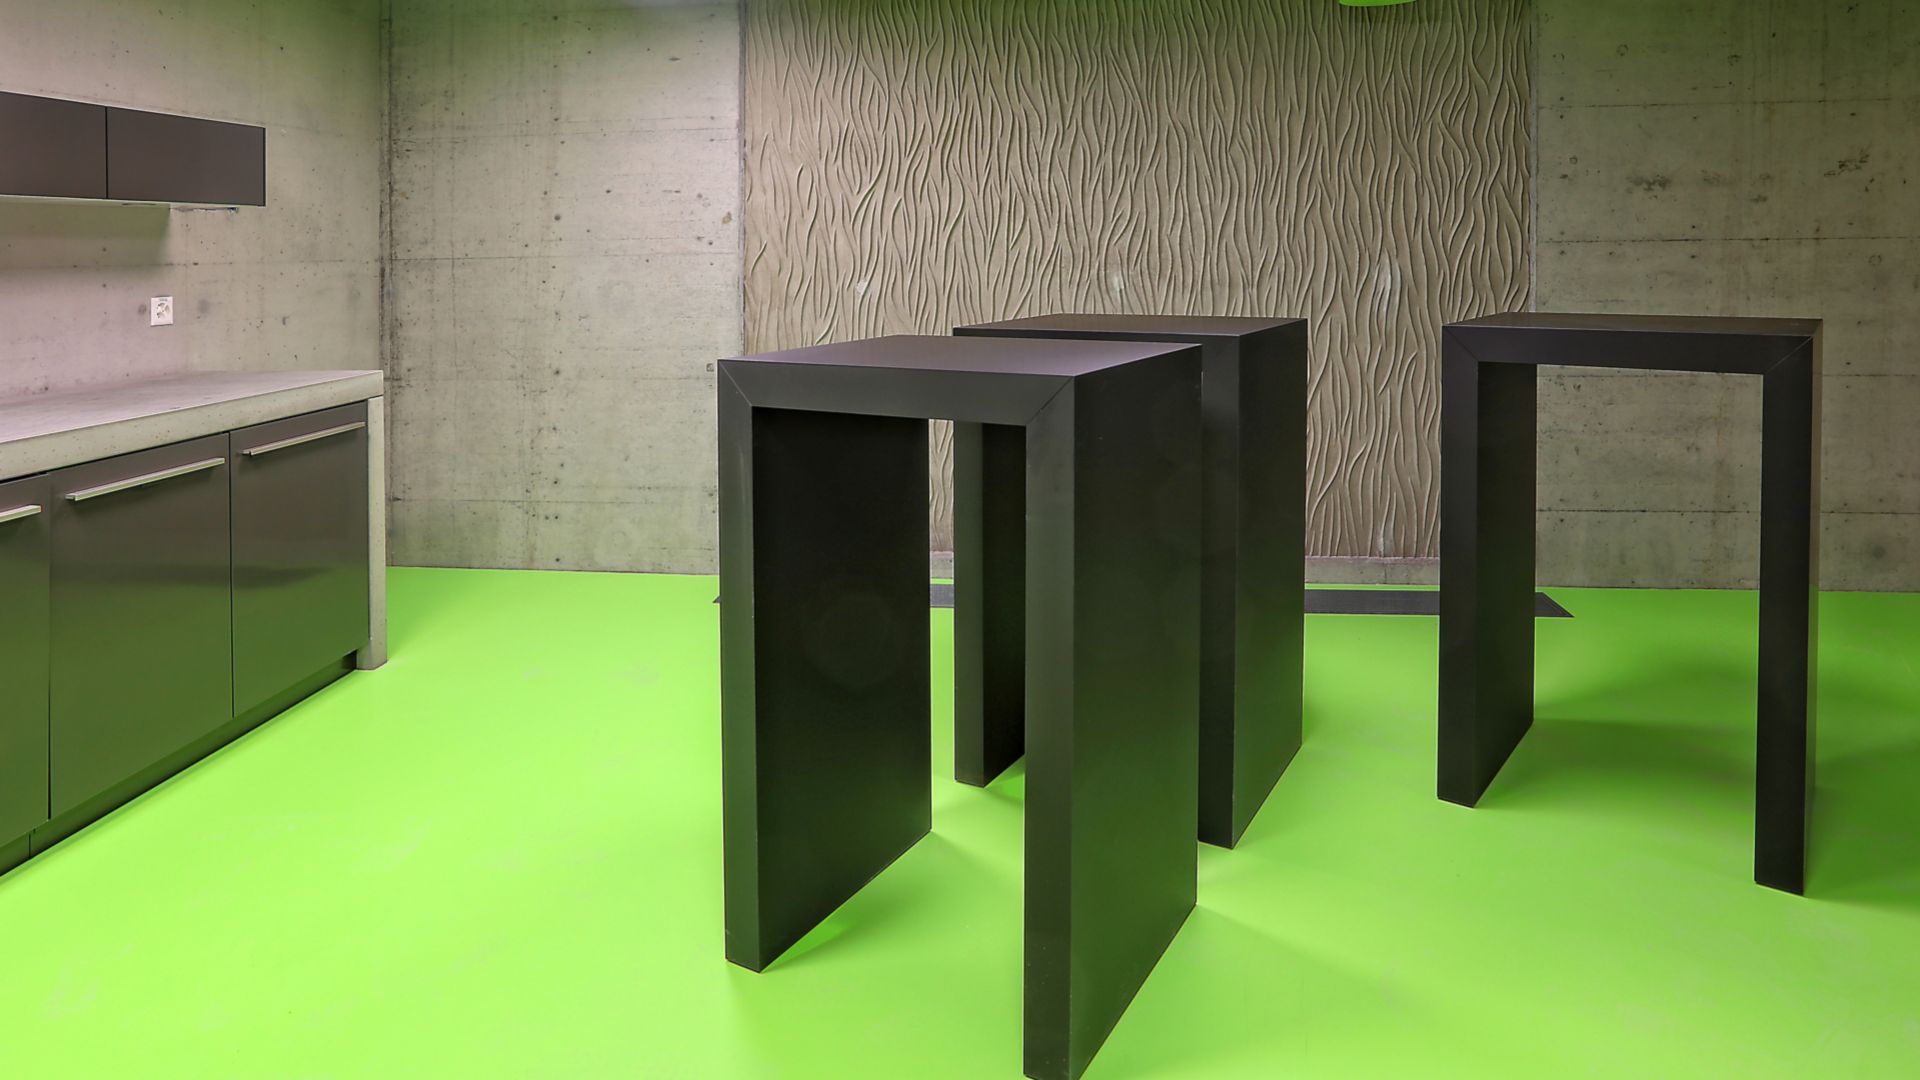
x: 500, y: 857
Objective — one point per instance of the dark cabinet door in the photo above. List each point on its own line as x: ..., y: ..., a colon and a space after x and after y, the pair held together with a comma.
x: 300, y: 549
x: 52, y: 148
x: 23, y: 657
x: 142, y: 648
x: 156, y: 157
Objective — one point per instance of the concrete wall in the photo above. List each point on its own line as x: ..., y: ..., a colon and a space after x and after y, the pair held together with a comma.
x: 565, y: 206
x: 1729, y: 157
x: 294, y: 285
x: 914, y: 165
x: 565, y: 268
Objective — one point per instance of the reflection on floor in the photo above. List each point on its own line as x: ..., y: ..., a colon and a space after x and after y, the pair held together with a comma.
x: 500, y: 857
x: 1394, y: 601
x: 1324, y: 600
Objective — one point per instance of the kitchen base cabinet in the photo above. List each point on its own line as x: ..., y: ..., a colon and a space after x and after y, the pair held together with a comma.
x: 300, y: 561
x: 23, y: 658
x: 142, y: 656
x: 79, y: 817
x: 13, y: 853
x: 157, y: 603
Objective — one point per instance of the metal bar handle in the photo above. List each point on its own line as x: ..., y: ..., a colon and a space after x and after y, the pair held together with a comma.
x: 301, y: 440
x: 142, y: 481
x: 17, y: 513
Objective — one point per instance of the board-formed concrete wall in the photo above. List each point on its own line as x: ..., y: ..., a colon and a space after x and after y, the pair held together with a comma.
x: 565, y: 268
x: 1729, y: 157
x: 562, y: 259
x: 294, y: 285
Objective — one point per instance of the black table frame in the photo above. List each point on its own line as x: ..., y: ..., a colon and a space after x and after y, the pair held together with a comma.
x: 826, y: 744
x: 1488, y: 446
x: 1253, y: 526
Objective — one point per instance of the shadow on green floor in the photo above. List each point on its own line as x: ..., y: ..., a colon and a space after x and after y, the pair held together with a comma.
x: 1679, y: 741
x: 1012, y: 784
x: 1865, y: 846
x: 906, y: 897
x: 1228, y: 1023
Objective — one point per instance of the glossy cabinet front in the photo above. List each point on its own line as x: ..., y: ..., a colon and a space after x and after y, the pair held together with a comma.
x: 141, y: 616
x: 23, y: 656
x: 299, y: 549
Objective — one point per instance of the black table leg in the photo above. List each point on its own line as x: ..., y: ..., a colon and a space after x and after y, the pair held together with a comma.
x: 826, y: 751
x: 1789, y: 617
x: 1112, y: 702
x: 1252, y: 522
x: 990, y: 599
x: 1254, y: 527
x: 1487, y: 434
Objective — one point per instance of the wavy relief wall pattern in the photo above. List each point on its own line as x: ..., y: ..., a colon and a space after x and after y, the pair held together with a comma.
x: 916, y: 164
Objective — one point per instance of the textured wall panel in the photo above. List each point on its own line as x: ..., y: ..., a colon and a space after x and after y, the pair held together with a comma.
x: 913, y: 164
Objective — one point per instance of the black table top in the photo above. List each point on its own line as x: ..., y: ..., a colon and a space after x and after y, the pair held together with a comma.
x: 982, y: 380
x: 1657, y: 324
x: 1645, y: 342
x: 1187, y: 327
x: 1064, y: 358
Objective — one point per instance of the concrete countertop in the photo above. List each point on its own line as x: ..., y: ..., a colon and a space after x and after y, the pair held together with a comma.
x: 51, y: 431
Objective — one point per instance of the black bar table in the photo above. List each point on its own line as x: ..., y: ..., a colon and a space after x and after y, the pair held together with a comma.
x: 1487, y: 421
x: 1253, y: 531
x: 826, y: 747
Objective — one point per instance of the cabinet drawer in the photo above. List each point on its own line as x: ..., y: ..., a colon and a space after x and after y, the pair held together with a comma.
x: 23, y: 657
x: 141, y: 661
x: 300, y: 549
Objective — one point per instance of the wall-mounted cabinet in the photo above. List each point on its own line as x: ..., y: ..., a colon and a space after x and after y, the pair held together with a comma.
x: 52, y: 148
x: 154, y: 157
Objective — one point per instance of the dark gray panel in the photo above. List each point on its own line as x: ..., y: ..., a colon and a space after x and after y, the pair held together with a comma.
x: 825, y: 703
x: 155, y: 157
x: 1254, y: 408
x: 989, y: 598
x: 1259, y: 503
x: 1487, y: 447
x: 142, y: 651
x: 299, y: 549
x: 23, y: 657
x: 52, y: 148
x: 1113, y: 694
x: 1787, y: 711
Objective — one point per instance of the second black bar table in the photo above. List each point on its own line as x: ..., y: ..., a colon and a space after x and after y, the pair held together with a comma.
x: 825, y: 747
x: 1487, y: 434
x: 1253, y: 531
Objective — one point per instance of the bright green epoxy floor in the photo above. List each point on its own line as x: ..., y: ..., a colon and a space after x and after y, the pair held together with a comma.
x: 500, y: 857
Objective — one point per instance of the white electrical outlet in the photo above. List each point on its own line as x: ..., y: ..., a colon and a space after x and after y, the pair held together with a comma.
x: 160, y: 311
